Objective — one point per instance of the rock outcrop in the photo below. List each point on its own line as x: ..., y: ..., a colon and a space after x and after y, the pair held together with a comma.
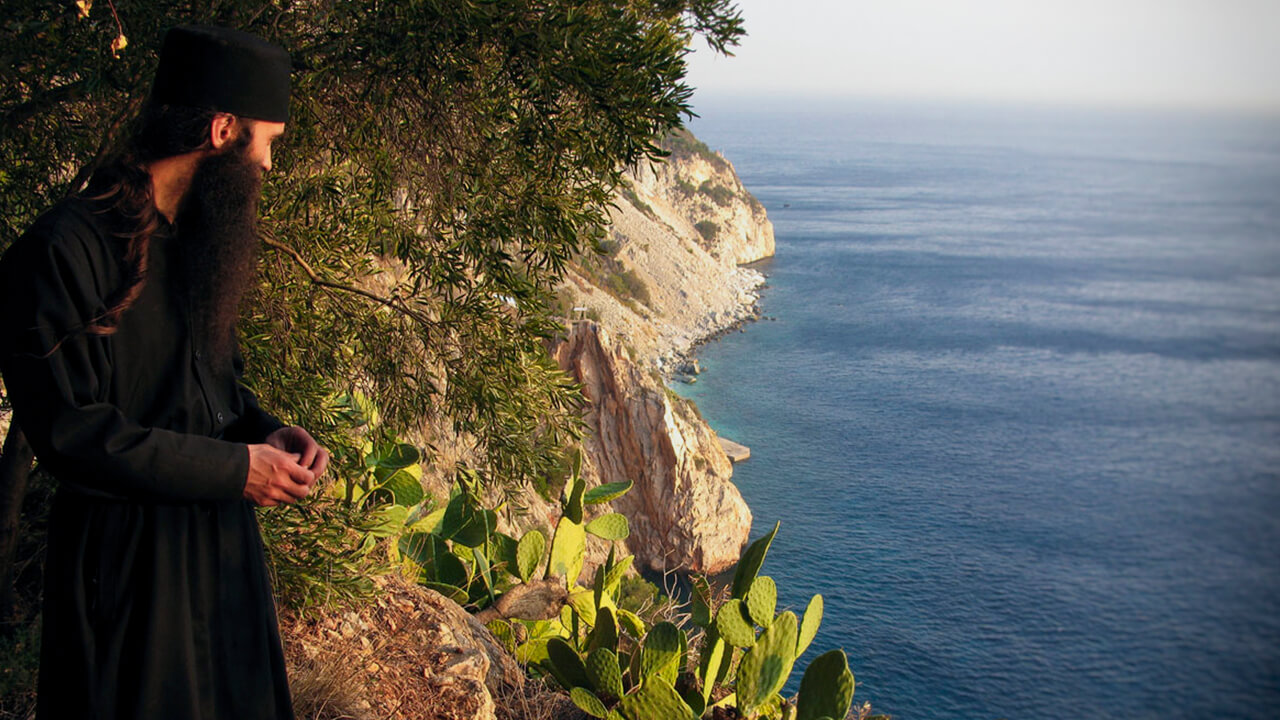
x: 411, y: 653
x: 684, y: 512
x: 672, y: 274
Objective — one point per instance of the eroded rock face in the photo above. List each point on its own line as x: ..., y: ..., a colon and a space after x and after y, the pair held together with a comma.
x: 681, y: 228
x: 684, y: 511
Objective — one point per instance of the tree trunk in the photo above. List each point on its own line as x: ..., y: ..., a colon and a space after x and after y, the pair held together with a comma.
x: 15, y: 467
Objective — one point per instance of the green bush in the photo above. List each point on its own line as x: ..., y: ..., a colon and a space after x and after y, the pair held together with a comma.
x: 707, y: 229
x: 719, y: 194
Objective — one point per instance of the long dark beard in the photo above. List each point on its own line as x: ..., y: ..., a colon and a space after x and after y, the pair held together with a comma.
x: 218, y: 245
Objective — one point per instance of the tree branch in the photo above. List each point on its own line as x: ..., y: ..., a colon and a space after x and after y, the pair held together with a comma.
x: 315, y: 278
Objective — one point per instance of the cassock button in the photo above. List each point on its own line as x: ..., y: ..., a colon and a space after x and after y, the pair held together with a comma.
x: 199, y: 355
x: 219, y: 417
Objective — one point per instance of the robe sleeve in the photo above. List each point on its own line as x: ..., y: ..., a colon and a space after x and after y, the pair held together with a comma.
x: 50, y: 283
x: 254, y: 423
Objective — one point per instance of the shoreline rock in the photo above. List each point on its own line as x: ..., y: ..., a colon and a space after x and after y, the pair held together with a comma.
x: 685, y: 513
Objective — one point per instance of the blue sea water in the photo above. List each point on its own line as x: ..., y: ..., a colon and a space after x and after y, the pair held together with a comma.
x: 1016, y: 401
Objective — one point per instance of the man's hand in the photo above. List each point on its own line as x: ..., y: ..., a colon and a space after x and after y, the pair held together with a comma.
x: 276, y: 476
x: 293, y: 439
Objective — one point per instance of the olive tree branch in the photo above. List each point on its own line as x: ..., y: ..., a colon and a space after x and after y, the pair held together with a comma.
x: 397, y: 306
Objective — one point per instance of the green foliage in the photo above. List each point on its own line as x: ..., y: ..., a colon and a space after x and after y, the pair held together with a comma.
x: 762, y: 600
x: 826, y: 690
x: 612, y: 526
x: 656, y: 700
x: 529, y: 554
x: 718, y: 193
x: 707, y: 229
x: 734, y: 625
x: 749, y: 565
x: 809, y: 625
x: 587, y: 702
x: 606, y: 492
x: 622, y: 667
x: 765, y: 667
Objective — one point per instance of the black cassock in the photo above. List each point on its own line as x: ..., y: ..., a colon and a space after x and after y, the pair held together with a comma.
x: 157, y: 598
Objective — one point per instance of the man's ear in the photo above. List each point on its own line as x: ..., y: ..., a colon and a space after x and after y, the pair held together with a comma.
x: 222, y: 130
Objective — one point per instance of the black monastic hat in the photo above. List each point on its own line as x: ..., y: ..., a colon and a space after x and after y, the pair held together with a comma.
x: 224, y: 70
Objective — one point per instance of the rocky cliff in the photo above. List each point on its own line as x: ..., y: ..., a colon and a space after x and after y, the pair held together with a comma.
x: 670, y: 276
x: 684, y: 512
x: 670, y: 273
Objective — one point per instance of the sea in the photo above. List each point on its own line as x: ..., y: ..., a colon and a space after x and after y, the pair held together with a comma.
x: 1015, y: 400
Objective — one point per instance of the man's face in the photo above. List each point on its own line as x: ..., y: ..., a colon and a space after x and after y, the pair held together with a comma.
x: 262, y: 134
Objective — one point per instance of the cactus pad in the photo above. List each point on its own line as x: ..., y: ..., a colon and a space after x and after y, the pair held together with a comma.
x: 827, y: 687
x: 612, y: 526
x: 661, y: 654
x: 605, y: 632
x: 568, y: 664
x: 709, y: 665
x: 606, y: 492
x: 604, y: 672
x: 703, y: 611
x: 762, y: 600
x: 734, y: 626
x: 750, y: 564
x: 809, y: 625
x: 587, y: 703
x: 655, y: 700
x: 631, y: 623
x: 529, y: 554
x: 573, y: 505
x: 567, y: 550
x: 764, y: 668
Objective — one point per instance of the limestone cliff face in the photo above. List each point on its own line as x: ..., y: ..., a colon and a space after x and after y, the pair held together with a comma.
x: 696, y: 186
x: 672, y: 275
x: 684, y: 512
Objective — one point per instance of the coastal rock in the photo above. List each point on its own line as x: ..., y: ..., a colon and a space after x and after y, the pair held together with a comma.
x: 411, y: 654
x: 685, y: 513
x: 671, y: 274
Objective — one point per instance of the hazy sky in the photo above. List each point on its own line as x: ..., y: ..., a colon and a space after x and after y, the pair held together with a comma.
x: 1205, y: 53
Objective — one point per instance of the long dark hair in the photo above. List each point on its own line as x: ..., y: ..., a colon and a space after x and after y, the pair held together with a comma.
x: 122, y: 188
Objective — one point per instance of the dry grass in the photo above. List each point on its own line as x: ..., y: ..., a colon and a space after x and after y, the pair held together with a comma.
x: 536, y: 701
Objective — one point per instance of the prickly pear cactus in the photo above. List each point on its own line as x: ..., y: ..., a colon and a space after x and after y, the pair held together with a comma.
x: 655, y: 700
x: 762, y: 600
x: 713, y: 651
x: 809, y: 625
x: 605, y: 632
x: 765, y: 667
x: 604, y: 673
x: 662, y: 652
x: 573, y: 505
x: 612, y: 526
x: 529, y: 554
x: 734, y: 626
x: 606, y: 492
x: 631, y: 623
x: 567, y: 551
x: 703, y: 611
x: 750, y: 564
x: 570, y: 670
x: 827, y: 687
x: 588, y: 703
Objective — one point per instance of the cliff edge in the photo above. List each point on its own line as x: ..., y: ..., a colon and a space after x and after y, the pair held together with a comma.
x: 685, y: 513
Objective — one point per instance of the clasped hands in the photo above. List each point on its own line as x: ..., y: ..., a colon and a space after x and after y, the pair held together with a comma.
x: 284, y: 467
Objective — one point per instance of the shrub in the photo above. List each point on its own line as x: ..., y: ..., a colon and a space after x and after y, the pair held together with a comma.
x: 719, y: 194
